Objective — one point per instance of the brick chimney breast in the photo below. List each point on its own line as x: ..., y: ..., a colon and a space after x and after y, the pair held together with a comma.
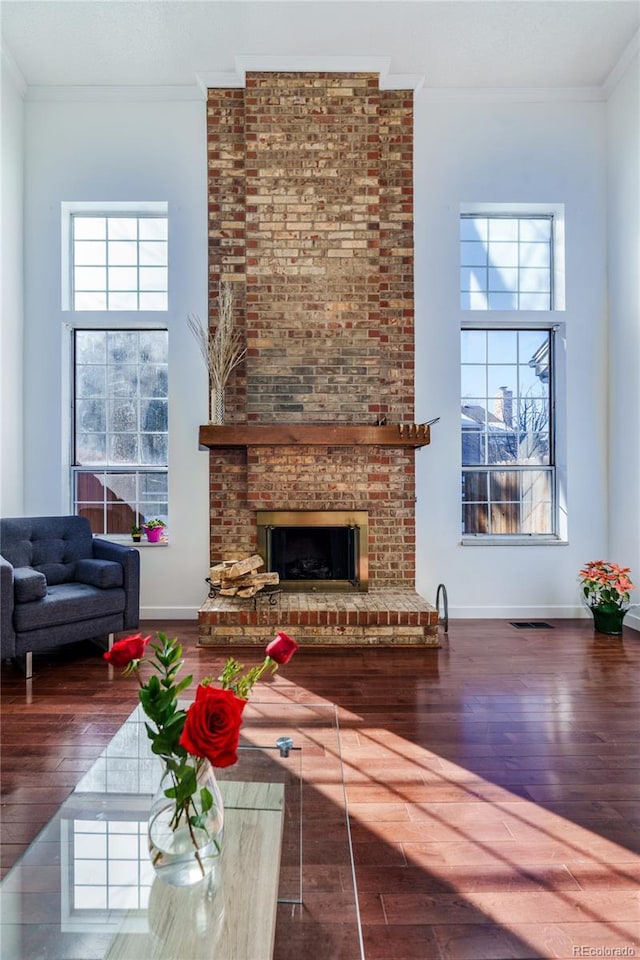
x: 310, y: 216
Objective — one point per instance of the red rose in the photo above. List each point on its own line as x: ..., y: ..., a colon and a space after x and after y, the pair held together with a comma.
x: 128, y: 649
x: 212, y: 726
x: 281, y: 648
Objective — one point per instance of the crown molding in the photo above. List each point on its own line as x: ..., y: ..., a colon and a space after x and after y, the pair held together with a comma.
x: 328, y: 64
x: 512, y: 94
x: 13, y: 70
x: 130, y: 94
x: 628, y: 55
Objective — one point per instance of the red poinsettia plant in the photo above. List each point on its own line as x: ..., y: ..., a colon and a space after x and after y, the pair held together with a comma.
x: 606, y: 585
x: 209, y: 729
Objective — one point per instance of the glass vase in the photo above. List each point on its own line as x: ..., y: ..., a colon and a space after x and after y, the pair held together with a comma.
x: 185, y: 841
x: 608, y: 621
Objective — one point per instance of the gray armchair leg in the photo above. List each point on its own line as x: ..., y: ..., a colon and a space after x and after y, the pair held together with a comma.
x: 28, y: 665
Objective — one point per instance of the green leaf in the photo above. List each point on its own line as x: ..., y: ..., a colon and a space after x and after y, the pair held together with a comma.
x: 206, y: 799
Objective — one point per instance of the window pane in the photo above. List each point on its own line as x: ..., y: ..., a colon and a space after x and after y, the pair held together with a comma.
x: 123, y: 448
x: 121, y: 245
x: 122, y: 379
x: 503, y: 229
x: 473, y: 254
x: 90, y: 346
x: 502, y: 279
x: 154, y: 415
x: 154, y: 448
x: 90, y: 278
x: 474, y: 442
x: 89, y: 228
x: 91, y: 416
x: 474, y: 301
x: 91, y: 448
x: 534, y: 280
x: 534, y: 301
x: 123, y: 278
x: 153, y: 278
x: 505, y: 263
x: 474, y: 380
x: 123, y: 228
x: 89, y: 253
x: 473, y: 346
x: 500, y: 377
x: 153, y: 228
x: 535, y: 255
x: 503, y: 254
x: 153, y: 254
x: 503, y: 301
x: 502, y: 346
x: 123, y: 252
x: 123, y: 301
x: 153, y: 301
x: 537, y: 230
x: 90, y: 301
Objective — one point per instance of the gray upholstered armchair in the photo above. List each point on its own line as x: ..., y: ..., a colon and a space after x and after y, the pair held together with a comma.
x: 59, y: 584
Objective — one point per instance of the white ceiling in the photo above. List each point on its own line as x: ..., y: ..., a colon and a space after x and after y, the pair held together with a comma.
x: 451, y: 43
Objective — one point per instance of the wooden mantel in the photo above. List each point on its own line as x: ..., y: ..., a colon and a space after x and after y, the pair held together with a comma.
x: 300, y: 434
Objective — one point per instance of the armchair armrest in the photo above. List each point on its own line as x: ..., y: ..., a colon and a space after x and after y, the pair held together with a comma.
x: 7, y: 633
x: 130, y: 560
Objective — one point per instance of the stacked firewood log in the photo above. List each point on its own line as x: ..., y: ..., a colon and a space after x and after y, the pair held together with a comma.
x: 239, y: 578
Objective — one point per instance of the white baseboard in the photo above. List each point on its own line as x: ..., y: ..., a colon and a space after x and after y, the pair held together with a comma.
x: 168, y: 613
x: 533, y: 613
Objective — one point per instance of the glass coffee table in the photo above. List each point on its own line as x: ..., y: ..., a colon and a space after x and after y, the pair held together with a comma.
x: 85, y: 890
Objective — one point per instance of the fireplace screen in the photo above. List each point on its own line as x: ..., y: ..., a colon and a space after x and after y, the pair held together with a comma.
x: 315, y: 549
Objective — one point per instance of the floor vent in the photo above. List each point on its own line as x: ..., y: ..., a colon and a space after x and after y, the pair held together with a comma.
x: 531, y: 625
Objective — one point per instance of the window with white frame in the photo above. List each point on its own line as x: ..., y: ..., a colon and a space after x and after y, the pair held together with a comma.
x: 507, y: 432
x: 508, y: 437
x: 118, y: 261
x: 506, y: 262
x: 120, y: 427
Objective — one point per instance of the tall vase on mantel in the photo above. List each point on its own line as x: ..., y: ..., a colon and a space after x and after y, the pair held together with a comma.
x: 216, y: 405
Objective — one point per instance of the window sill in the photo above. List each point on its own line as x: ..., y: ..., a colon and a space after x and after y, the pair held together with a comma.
x: 509, y: 541
x: 128, y: 542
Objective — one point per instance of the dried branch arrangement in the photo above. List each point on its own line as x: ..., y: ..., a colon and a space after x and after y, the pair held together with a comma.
x: 221, y: 348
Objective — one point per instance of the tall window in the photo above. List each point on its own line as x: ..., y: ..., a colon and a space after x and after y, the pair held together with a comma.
x: 507, y: 432
x: 120, y: 424
x: 507, y: 377
x: 118, y: 262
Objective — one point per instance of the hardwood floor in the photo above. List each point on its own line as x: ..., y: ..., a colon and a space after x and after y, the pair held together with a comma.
x: 493, y: 785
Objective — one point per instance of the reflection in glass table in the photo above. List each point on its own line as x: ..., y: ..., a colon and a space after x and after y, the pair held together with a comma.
x: 85, y: 888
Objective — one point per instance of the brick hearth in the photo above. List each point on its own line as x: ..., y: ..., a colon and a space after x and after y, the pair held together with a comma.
x: 389, y: 617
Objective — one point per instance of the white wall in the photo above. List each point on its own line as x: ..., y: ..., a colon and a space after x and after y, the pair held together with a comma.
x: 623, y: 195
x: 465, y: 151
x: 507, y: 152
x: 11, y: 285
x: 107, y: 150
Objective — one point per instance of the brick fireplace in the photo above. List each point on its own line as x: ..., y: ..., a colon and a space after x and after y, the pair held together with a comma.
x: 310, y: 218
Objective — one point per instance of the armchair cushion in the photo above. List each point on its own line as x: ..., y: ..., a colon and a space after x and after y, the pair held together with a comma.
x: 29, y: 584
x: 99, y: 573
x: 67, y: 603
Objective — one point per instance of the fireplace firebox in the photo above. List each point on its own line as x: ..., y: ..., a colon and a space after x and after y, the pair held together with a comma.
x: 315, y: 550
